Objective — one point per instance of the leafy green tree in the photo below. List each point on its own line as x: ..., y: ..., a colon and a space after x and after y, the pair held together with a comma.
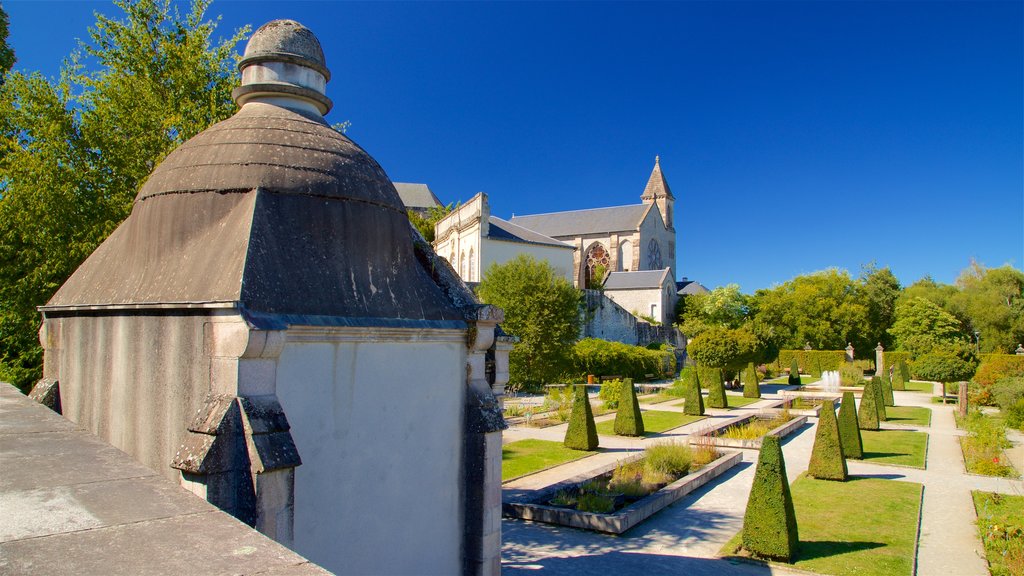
x: 629, y: 421
x: 582, y: 431
x: 993, y: 301
x: 724, y: 306
x: 74, y: 151
x: 7, y: 58
x: 541, y: 309
x: 827, y: 459
x: 769, y: 522
x: 822, y: 308
x: 425, y: 223
x: 951, y: 363
x: 878, y: 290
x: 922, y: 325
x: 849, y: 431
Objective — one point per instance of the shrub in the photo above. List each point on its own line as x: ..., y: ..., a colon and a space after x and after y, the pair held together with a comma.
x: 995, y: 367
x: 983, y: 446
x: 769, y: 523
x: 894, y: 357
x: 899, y: 382
x: 604, y: 358
x: 666, y: 462
x: 953, y: 363
x: 904, y: 367
x: 596, y: 503
x: 808, y: 360
x: 849, y: 432
x: 1008, y: 394
x: 611, y: 393
x: 887, y: 396
x: 879, y: 397
x: 582, y: 432
x: 827, y: 461
x: 628, y: 420
x: 867, y: 415
x: 694, y: 405
x: 712, y: 377
x: 794, y: 372
x: 850, y: 375
x: 751, y: 388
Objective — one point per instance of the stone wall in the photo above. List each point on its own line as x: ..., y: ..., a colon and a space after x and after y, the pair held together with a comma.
x: 607, y: 320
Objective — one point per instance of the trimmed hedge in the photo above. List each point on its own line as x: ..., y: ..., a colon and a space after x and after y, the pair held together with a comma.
x: 605, y: 358
x: 628, y: 420
x: 712, y: 378
x: 867, y: 415
x: 899, y: 382
x: 894, y: 357
x: 769, y: 523
x: 827, y: 461
x: 879, y: 397
x: 582, y: 432
x: 694, y: 405
x: 751, y: 387
x: 794, y: 372
x: 810, y: 360
x: 887, y: 397
x: 849, y: 432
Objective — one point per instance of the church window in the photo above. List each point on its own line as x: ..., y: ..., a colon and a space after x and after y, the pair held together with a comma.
x: 472, y: 267
x: 462, y: 265
x: 654, y: 255
x: 596, y: 266
x: 626, y: 256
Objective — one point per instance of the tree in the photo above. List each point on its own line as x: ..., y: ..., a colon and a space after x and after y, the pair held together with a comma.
x: 849, y: 431
x: 628, y: 419
x: 878, y: 290
x: 993, y: 301
x: 827, y: 459
x: 425, y: 223
x: 724, y: 307
x: 582, y: 432
x: 946, y: 364
x: 7, y: 58
x: 73, y: 152
x: 921, y: 325
x: 769, y: 522
x: 694, y: 405
x: 724, y: 348
x: 751, y: 387
x: 541, y: 309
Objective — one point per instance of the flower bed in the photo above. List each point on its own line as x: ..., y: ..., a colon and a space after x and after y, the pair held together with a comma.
x: 717, y: 435
x: 557, y: 504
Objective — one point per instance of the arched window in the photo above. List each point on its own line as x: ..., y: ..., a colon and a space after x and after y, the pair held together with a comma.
x: 625, y: 255
x: 462, y: 265
x: 596, y: 266
x: 654, y: 255
x: 472, y: 267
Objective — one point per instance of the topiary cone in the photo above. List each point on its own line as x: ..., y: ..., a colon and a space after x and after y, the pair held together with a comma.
x: 904, y: 371
x: 849, y: 432
x: 751, y: 387
x: 827, y: 458
x: 879, y: 398
x: 716, y: 389
x: 898, y: 383
x: 867, y: 415
x: 582, y: 432
x: 769, y: 524
x: 694, y: 405
x: 887, y: 396
x: 794, y: 372
x: 628, y: 419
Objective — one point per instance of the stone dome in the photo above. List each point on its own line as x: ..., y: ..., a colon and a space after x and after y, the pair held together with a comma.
x: 285, y: 41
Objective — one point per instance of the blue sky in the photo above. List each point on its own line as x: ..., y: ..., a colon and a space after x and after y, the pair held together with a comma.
x: 796, y: 136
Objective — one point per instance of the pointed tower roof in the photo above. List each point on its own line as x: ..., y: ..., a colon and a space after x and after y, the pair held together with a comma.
x: 656, y: 187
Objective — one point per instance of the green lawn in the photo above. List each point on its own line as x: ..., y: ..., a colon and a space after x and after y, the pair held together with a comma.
x: 999, y: 517
x: 655, y: 421
x: 914, y: 386
x: 913, y: 415
x: 659, y: 398
x: 528, y: 456
x: 899, y: 447
x: 861, y: 526
x: 737, y: 400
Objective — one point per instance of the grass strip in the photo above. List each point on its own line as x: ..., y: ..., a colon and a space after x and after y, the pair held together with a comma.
x: 655, y: 421
x: 912, y: 415
x: 916, y: 386
x: 736, y: 400
x: 895, y: 447
x: 861, y: 526
x: 999, y: 526
x: 528, y: 456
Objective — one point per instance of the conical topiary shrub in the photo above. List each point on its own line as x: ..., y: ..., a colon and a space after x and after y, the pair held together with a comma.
x: 827, y: 459
x: 867, y: 415
x: 582, y: 432
x: 628, y: 420
x: 849, y: 432
x: 898, y: 383
x: 887, y: 396
x: 716, y: 389
x: 879, y: 398
x: 769, y: 524
x: 751, y: 387
x: 904, y: 370
x: 794, y: 372
x: 694, y: 401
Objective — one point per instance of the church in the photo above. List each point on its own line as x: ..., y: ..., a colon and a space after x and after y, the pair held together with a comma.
x: 628, y: 252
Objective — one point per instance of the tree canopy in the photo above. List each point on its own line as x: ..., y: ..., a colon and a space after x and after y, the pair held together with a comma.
x: 921, y: 326
x: 949, y: 363
x: 541, y: 309
x: 724, y: 306
x: 75, y: 150
x: 6, y: 52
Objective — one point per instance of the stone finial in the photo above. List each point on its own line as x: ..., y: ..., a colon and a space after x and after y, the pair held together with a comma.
x: 1020, y: 350
x: 807, y: 346
x: 284, y: 64
x: 879, y: 348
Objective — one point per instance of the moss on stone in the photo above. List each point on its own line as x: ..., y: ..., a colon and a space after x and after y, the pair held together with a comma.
x: 827, y: 459
x: 628, y: 420
x: 691, y: 385
x: 849, y: 432
x: 582, y: 432
x: 712, y: 378
x: 751, y: 387
x: 867, y: 415
x: 769, y: 524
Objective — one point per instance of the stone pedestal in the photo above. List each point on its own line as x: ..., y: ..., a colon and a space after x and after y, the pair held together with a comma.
x: 880, y: 359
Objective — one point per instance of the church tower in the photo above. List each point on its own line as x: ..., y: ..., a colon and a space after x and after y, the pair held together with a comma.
x: 657, y: 192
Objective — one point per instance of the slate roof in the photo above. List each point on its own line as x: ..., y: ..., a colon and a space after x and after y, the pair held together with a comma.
x: 636, y: 280
x: 507, y: 231
x: 657, y: 186
x: 580, y: 222
x: 416, y: 195
x: 687, y: 287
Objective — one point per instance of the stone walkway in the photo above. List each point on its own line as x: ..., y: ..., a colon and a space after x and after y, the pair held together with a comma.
x: 686, y: 537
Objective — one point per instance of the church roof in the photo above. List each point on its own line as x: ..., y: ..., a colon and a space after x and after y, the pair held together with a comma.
x: 580, y: 222
x: 416, y: 195
x: 504, y: 230
x: 636, y: 280
x: 686, y: 287
x: 656, y: 187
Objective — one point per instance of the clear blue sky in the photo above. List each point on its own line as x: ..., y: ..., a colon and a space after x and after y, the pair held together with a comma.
x: 796, y: 136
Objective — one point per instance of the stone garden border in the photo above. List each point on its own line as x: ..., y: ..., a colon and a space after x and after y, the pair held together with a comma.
x: 621, y: 520
x: 708, y: 435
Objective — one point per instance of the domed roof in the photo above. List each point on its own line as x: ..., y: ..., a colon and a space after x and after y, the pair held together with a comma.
x: 285, y: 41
